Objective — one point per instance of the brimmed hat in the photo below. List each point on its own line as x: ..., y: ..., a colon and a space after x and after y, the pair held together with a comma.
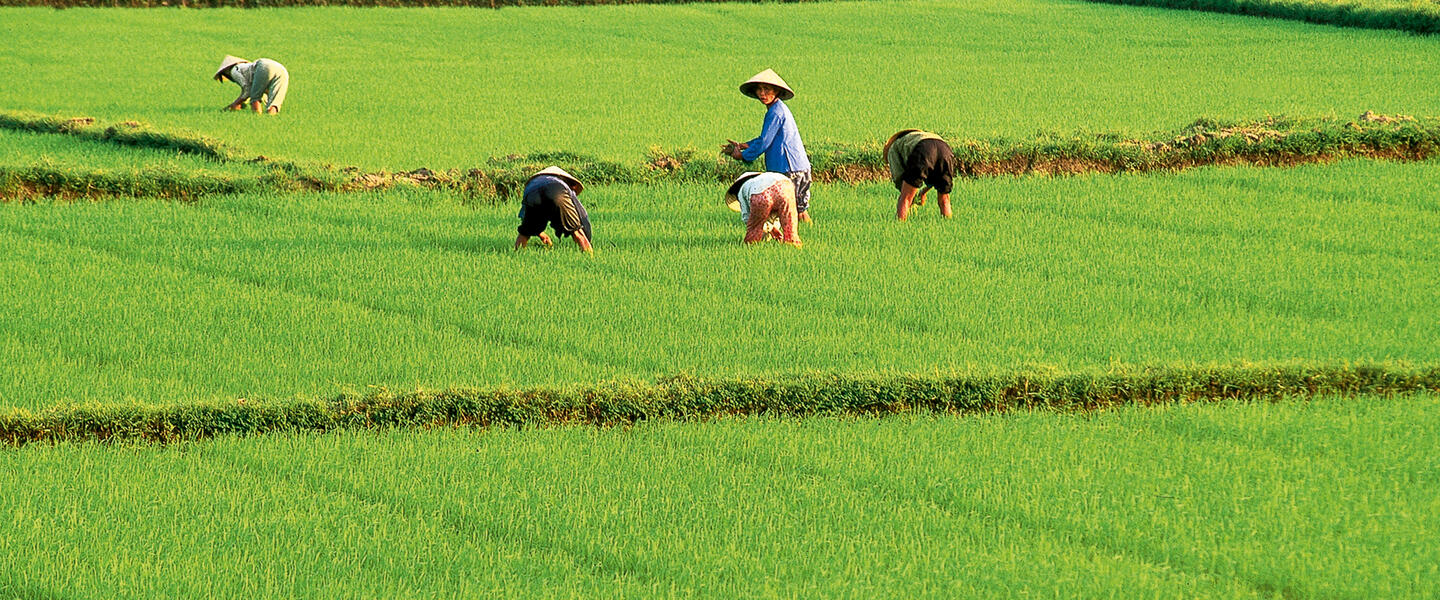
x: 884, y: 152
x: 782, y: 91
x: 229, y: 61
x: 559, y: 172
x: 732, y: 195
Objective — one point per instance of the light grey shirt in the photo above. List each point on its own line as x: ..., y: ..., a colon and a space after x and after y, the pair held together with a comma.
x: 242, y: 74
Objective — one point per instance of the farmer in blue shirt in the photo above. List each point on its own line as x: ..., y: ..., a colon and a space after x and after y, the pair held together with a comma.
x: 779, y: 138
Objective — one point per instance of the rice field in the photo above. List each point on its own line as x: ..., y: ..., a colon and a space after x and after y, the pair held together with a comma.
x: 317, y: 294
x: 441, y: 88
x: 256, y: 297
x: 1335, y: 498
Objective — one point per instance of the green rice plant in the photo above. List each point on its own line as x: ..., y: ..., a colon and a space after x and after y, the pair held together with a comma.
x: 458, y: 86
x: 1324, y: 498
x: 1417, y: 16
x: 272, y: 295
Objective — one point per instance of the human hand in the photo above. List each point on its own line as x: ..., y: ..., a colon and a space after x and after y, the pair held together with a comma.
x: 545, y: 239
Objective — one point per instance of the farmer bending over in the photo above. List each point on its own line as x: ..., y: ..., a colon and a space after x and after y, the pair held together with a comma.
x: 551, y: 196
x: 779, y: 138
x: 919, y: 158
x: 258, y: 80
x: 766, y: 203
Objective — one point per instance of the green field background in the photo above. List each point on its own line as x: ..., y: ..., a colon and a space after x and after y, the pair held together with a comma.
x: 441, y: 88
x: 114, y: 303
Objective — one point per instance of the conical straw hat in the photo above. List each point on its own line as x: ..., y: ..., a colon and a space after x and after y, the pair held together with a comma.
x: 885, y: 152
x: 559, y: 172
x: 782, y: 90
x: 732, y: 195
x: 227, y: 63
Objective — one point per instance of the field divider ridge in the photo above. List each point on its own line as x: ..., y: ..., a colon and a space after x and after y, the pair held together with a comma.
x: 692, y: 397
x: 1270, y: 142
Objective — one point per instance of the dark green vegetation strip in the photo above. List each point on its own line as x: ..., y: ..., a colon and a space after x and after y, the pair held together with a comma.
x: 1422, y: 16
x: 377, y: 3
x: 127, y: 133
x: 688, y: 397
x: 1269, y: 142
x: 46, y: 181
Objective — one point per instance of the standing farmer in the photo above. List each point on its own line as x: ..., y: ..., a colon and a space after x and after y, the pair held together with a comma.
x: 551, y: 196
x: 262, y: 79
x: 919, y: 158
x: 761, y: 198
x: 779, y: 138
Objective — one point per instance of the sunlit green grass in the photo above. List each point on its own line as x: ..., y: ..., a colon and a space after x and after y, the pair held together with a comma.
x: 18, y: 149
x: 441, y: 88
x: 315, y: 294
x: 1325, y: 499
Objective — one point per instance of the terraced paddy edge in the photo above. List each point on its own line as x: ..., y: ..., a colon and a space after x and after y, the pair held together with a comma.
x: 1269, y: 142
x: 1416, y: 16
x: 689, y: 397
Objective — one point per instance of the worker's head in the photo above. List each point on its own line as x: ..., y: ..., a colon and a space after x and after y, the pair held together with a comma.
x: 765, y: 93
x: 226, y: 65
x: 775, y: 88
x: 885, y: 152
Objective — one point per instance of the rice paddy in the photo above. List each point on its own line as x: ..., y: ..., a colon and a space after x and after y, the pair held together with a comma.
x: 1335, y: 498
x: 441, y: 88
x: 122, y: 302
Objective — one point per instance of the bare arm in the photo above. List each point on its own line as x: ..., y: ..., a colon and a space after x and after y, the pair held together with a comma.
x: 239, y: 100
x: 523, y: 240
x: 582, y: 241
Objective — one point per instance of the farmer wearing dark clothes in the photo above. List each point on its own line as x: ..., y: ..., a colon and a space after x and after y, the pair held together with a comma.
x: 551, y: 198
x: 779, y: 137
x: 918, y: 158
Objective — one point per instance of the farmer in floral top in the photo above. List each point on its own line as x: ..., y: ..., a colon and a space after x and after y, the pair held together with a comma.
x: 766, y: 203
x: 779, y: 139
x: 263, y: 79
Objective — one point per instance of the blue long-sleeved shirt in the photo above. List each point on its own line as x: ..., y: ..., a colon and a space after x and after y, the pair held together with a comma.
x: 779, y: 141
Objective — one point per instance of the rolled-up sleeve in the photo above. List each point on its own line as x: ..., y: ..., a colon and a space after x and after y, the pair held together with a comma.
x: 569, y: 217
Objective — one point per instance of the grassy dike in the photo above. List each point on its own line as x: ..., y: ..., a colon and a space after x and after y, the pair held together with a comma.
x: 688, y: 397
x: 1206, y: 142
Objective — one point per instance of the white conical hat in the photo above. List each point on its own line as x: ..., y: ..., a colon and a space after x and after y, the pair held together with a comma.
x: 782, y: 90
x: 559, y: 172
x: 227, y: 63
x: 732, y: 195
